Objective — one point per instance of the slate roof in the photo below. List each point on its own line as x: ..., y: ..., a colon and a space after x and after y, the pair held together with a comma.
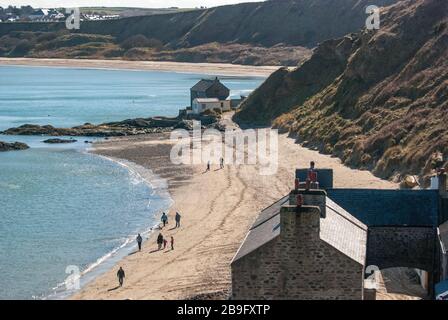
x: 389, y: 207
x: 204, y: 84
x: 344, y: 232
x: 265, y: 228
x: 339, y: 229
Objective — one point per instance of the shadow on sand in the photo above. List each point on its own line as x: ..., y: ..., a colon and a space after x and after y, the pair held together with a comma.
x: 113, y: 289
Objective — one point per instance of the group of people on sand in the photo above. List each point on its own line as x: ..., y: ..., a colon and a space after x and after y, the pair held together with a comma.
x: 221, y: 165
x: 164, y: 219
x: 161, y: 241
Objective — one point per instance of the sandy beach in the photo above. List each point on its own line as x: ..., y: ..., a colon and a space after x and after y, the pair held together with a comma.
x: 217, y: 209
x: 219, y: 69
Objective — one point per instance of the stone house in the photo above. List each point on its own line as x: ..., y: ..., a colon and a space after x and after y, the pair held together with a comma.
x: 315, y: 251
x: 321, y: 249
x: 209, y: 88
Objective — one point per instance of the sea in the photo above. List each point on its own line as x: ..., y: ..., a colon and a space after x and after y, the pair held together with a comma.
x: 63, y: 210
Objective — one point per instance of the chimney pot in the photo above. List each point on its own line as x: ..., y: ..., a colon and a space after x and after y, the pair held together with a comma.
x: 296, y: 184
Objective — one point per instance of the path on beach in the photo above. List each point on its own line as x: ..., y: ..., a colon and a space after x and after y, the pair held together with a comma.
x: 217, y: 210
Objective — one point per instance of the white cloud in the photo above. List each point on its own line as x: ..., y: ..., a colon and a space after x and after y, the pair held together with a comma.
x: 118, y: 3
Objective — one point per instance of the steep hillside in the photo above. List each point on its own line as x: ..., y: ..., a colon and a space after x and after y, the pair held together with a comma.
x: 280, y: 23
x: 376, y: 99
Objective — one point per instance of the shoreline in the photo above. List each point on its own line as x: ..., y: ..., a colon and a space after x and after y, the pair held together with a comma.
x: 106, y: 262
x: 217, y: 210
x: 218, y: 69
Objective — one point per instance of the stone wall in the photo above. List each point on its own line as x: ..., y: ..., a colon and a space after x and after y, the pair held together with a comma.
x: 297, y: 264
x: 412, y: 247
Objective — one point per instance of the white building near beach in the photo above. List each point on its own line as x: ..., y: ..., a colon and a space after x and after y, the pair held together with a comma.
x: 201, y: 105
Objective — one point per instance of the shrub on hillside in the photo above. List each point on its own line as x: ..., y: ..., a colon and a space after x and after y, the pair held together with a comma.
x: 113, y: 53
x: 47, y: 36
x: 21, y: 49
x: 8, y: 42
x: 140, y: 41
x: 135, y: 54
x: 71, y: 40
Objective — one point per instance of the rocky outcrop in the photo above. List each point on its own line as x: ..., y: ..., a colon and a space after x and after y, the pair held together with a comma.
x: 57, y: 141
x: 5, y: 146
x: 128, y: 127
x: 380, y: 99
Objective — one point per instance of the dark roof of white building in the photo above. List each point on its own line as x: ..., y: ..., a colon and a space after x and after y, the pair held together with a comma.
x: 204, y: 84
x: 339, y: 229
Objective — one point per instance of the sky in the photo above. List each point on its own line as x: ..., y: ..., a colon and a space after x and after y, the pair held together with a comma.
x: 121, y: 3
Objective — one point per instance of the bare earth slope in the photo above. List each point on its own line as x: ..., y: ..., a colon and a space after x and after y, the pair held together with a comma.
x: 376, y: 99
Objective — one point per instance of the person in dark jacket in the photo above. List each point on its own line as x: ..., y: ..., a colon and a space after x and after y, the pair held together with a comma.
x: 120, y: 275
x: 177, y: 218
x: 139, y: 242
x: 164, y: 219
x: 160, y: 241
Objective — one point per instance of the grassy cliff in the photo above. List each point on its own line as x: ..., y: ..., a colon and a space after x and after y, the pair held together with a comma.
x: 248, y: 29
x: 376, y: 99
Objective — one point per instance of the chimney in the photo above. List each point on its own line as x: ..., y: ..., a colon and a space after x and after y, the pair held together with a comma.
x: 310, y: 198
x: 299, y: 222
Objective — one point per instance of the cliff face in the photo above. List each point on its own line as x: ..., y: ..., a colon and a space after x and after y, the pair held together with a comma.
x: 276, y: 32
x: 290, y: 22
x: 376, y: 99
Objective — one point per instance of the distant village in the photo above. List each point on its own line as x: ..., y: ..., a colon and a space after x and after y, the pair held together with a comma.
x: 30, y: 14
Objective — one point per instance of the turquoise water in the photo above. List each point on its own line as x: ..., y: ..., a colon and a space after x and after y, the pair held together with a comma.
x: 60, y: 205
x: 69, y: 97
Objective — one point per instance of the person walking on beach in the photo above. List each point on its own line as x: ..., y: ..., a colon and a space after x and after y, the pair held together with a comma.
x: 172, y: 243
x: 139, y: 242
x: 164, y: 219
x: 160, y: 241
x: 221, y: 163
x: 120, y: 275
x: 208, y: 167
x: 177, y: 218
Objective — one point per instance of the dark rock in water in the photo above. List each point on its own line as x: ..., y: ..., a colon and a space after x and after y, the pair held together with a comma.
x: 5, y: 146
x: 128, y: 127
x: 57, y: 140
